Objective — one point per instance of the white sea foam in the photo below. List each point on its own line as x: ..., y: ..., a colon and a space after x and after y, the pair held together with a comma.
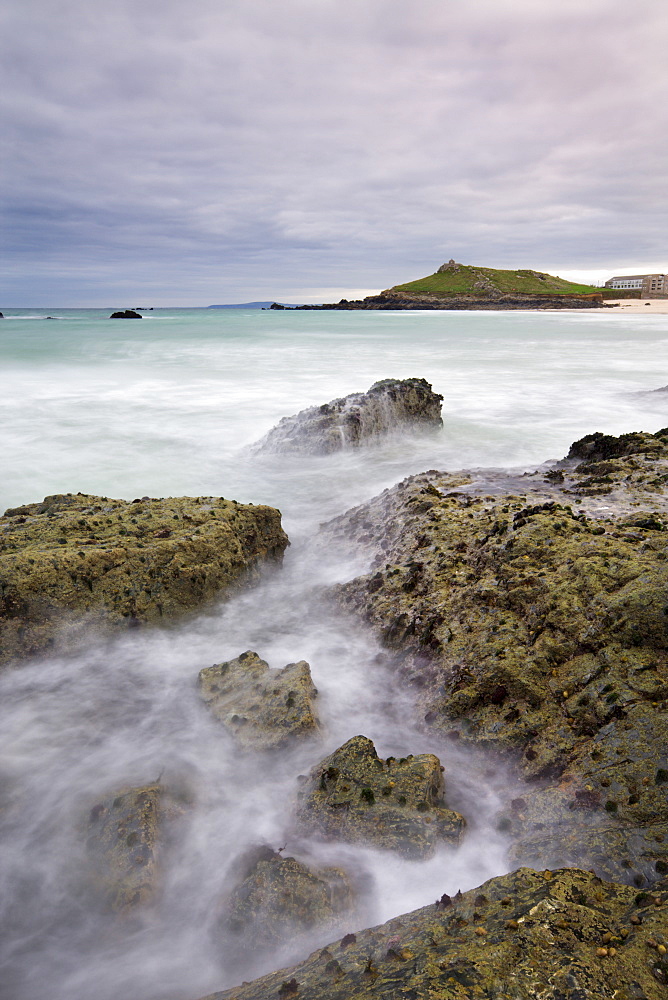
x: 124, y: 410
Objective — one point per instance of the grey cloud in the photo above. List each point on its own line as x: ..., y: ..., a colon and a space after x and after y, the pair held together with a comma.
x: 249, y: 146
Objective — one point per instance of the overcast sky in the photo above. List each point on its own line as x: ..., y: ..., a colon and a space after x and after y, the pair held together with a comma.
x: 164, y: 152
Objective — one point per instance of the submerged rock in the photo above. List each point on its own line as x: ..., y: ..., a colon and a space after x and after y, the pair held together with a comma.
x: 354, y: 796
x: 390, y: 405
x: 126, y: 314
x: 123, y: 843
x: 74, y: 561
x: 280, y: 898
x: 552, y: 934
x: 262, y: 708
x: 534, y: 629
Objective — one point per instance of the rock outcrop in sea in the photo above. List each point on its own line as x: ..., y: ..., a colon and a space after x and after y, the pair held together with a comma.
x: 263, y: 709
x: 389, y: 406
x: 124, y: 837
x: 352, y: 795
x: 76, y: 561
x: 278, y: 900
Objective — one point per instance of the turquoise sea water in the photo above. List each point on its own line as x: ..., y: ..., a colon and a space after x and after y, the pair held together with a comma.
x: 165, y: 405
x: 168, y: 406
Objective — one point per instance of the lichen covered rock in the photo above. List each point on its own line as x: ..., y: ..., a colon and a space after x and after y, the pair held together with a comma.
x: 354, y: 796
x: 123, y: 841
x: 537, y: 630
x: 75, y: 560
x: 390, y: 405
x: 548, y: 934
x: 280, y: 898
x: 262, y: 708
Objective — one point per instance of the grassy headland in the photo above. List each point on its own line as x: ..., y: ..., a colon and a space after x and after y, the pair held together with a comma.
x: 463, y: 279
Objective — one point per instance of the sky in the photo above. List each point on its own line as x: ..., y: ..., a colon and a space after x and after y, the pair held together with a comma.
x: 164, y: 152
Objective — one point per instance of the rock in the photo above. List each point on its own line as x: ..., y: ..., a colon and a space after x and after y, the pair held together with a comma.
x: 482, y: 296
x: 74, y: 561
x: 552, y: 934
x: 390, y: 405
x: 601, y: 447
x: 354, y: 796
x: 537, y: 631
x: 279, y: 899
x: 123, y: 847
x: 263, y: 709
x: 126, y: 314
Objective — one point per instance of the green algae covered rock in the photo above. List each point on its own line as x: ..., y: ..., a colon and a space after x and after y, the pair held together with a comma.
x: 264, y: 709
x: 75, y: 560
x: 125, y: 836
x: 280, y: 898
x: 548, y: 934
x: 532, y: 613
x: 354, y: 796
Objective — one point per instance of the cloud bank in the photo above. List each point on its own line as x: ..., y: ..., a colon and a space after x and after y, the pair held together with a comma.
x: 212, y: 152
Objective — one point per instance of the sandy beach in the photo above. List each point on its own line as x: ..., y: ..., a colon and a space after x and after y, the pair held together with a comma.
x: 640, y: 305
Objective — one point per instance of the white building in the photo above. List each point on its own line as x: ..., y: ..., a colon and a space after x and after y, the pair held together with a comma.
x: 646, y: 284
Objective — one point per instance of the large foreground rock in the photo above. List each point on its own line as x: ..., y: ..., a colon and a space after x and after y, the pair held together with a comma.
x: 354, y: 796
x: 532, y: 613
x: 75, y: 560
x: 263, y: 709
x: 390, y: 405
x: 548, y: 934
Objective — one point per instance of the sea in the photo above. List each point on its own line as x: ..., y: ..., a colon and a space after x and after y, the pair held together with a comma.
x: 171, y: 406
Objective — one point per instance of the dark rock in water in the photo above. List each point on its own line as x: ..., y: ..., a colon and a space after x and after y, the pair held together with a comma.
x: 599, y: 447
x: 354, y: 796
x: 279, y: 899
x: 549, y: 934
x: 1, y: 316
x: 263, y: 709
x: 390, y: 405
x: 76, y: 561
x: 124, y: 838
x: 126, y: 314
x: 536, y: 630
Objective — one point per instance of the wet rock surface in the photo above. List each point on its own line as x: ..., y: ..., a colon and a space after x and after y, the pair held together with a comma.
x: 74, y: 561
x: 396, y: 804
x: 536, y: 622
x: 280, y: 899
x: 389, y: 405
x: 124, y: 837
x: 264, y: 709
x: 551, y: 934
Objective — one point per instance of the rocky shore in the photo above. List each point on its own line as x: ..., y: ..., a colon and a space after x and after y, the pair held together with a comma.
x: 548, y: 934
x: 76, y: 562
x: 529, y: 614
x: 391, y: 299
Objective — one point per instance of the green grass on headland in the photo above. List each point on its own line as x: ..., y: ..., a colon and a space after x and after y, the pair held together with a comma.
x: 462, y: 279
